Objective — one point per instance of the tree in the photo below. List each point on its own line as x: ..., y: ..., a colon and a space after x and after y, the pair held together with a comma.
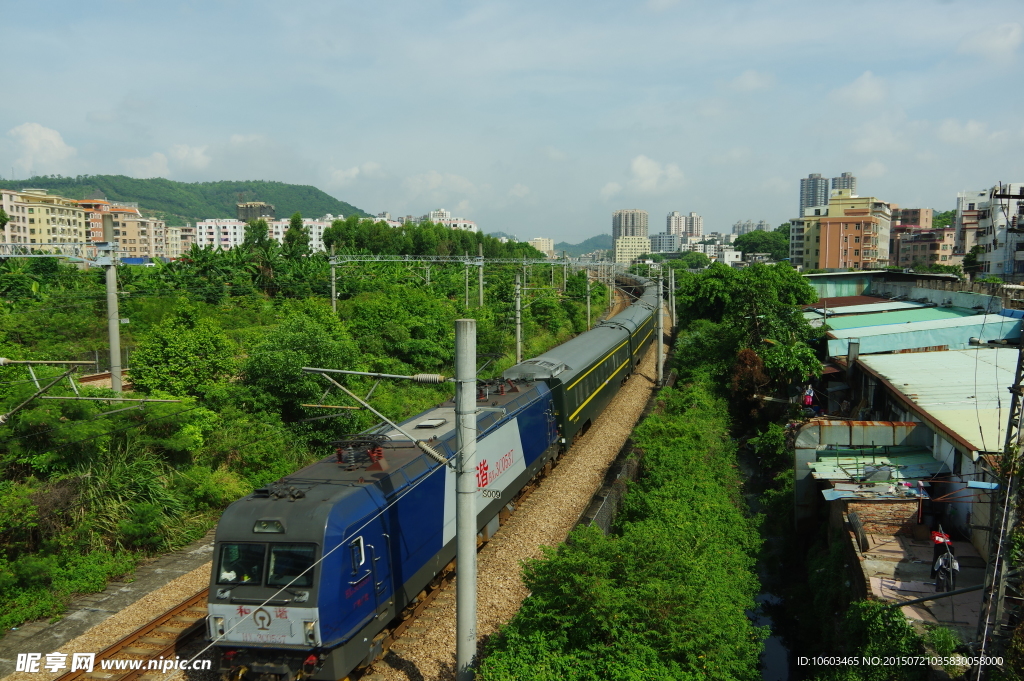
x: 296, y: 239
x: 4, y: 218
x: 181, y: 354
x: 944, y: 219
x: 695, y: 260
x: 783, y: 229
x: 971, y: 265
x: 256, y: 233
x: 775, y: 244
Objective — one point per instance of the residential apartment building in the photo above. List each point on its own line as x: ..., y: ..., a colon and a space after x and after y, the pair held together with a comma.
x: 37, y: 217
x: 544, y: 245
x: 913, y: 217
x: 444, y: 217
x: 1002, y: 210
x: 813, y: 192
x: 16, y: 230
x: 850, y: 232
x: 684, y: 225
x: 230, y: 233
x: 665, y: 243
x: 912, y: 245
x: 965, y: 220
x: 141, y: 237
x: 742, y: 227
x: 845, y: 181
x: 629, y: 248
x: 174, y: 247
x: 629, y: 222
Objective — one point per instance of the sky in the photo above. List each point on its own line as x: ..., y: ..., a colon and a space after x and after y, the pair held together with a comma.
x: 532, y: 118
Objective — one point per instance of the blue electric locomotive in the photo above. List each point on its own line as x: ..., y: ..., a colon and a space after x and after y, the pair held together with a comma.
x: 311, y: 572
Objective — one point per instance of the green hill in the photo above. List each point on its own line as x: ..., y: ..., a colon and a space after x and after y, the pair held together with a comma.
x: 601, y: 241
x: 181, y: 202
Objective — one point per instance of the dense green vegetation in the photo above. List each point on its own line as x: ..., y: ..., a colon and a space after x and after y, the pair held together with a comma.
x: 87, y: 488
x: 181, y: 202
x: 775, y: 244
x: 664, y: 597
x: 943, y: 219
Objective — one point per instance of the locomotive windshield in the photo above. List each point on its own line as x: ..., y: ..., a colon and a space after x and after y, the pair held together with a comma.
x: 244, y: 564
x: 241, y: 564
x: 288, y: 561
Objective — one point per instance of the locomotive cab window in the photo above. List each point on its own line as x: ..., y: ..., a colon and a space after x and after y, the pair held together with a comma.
x: 288, y: 562
x: 241, y: 564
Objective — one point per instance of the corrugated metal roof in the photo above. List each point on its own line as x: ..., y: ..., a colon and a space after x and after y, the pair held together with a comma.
x: 898, y: 316
x: 883, y: 306
x: 962, y: 391
x: 955, y: 333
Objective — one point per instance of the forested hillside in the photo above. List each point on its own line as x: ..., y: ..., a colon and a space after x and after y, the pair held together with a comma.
x: 181, y: 202
x: 87, y: 489
x: 601, y: 241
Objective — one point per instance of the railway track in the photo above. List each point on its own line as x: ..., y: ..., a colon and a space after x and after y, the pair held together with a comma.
x: 160, y: 638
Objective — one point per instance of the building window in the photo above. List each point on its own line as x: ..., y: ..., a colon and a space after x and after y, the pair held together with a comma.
x: 945, y: 257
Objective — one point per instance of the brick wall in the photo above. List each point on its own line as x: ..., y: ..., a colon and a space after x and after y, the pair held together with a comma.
x: 888, y: 517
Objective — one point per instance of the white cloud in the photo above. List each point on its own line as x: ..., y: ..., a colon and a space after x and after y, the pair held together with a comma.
x: 369, y: 169
x: 610, y: 190
x: 872, y: 170
x: 461, y: 208
x: 519, y: 191
x: 953, y: 131
x: 191, y: 158
x: 751, y: 80
x: 993, y: 42
x: 154, y: 165
x: 880, y: 137
x: 867, y: 89
x: 42, y: 149
x: 438, y: 186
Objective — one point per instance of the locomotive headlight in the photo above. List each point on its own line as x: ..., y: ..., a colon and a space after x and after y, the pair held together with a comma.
x: 310, y: 629
x: 217, y: 625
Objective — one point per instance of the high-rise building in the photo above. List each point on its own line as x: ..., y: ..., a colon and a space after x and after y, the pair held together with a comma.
x: 813, y: 192
x: 629, y: 222
x: 845, y: 181
x: 684, y: 225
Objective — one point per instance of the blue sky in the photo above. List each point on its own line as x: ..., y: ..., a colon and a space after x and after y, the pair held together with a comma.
x: 535, y: 118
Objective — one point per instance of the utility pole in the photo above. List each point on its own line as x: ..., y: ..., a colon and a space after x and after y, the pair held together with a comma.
x: 519, y: 321
x: 467, y: 286
x: 661, y: 331
x: 588, y: 301
x: 334, y: 287
x: 466, y: 489
x: 1002, y: 520
x: 480, y: 285
x: 672, y: 295
x: 113, y: 317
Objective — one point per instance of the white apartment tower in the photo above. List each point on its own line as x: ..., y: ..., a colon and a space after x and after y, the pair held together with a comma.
x: 1001, y: 209
x: 684, y: 225
x: 629, y: 222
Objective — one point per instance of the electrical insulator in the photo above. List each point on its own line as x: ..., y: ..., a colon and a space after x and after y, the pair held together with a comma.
x: 428, y: 378
x: 431, y: 452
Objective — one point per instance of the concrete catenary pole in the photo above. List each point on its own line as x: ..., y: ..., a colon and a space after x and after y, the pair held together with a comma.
x: 466, y: 491
x: 480, y: 284
x: 519, y: 321
x: 672, y: 295
x: 334, y: 284
x: 661, y: 330
x: 113, y: 316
